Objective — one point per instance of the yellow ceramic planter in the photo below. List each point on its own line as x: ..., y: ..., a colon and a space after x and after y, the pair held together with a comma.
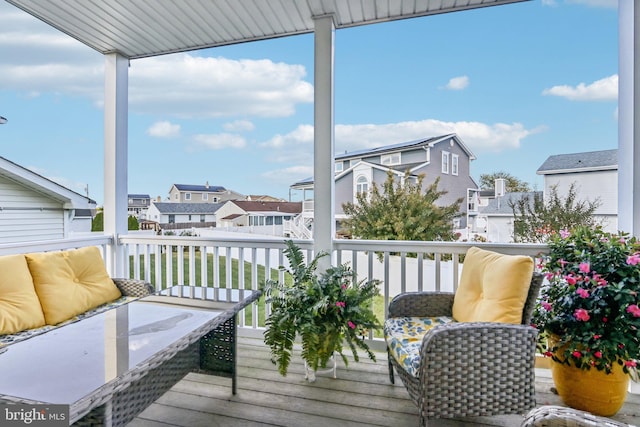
x: 591, y: 390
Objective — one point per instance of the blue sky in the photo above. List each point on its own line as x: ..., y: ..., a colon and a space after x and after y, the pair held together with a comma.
x: 517, y: 83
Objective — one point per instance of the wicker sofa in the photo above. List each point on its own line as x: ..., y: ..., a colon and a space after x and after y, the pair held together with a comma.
x: 40, y: 292
x: 455, y: 367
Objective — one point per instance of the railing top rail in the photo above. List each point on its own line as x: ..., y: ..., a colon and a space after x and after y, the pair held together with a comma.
x: 53, y: 245
x: 531, y: 249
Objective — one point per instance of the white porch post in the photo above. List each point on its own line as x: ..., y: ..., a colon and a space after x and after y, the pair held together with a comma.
x: 629, y: 117
x: 323, y: 139
x: 116, y: 87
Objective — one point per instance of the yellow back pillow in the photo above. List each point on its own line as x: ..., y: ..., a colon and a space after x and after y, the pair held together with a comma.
x: 493, y: 287
x: 19, y: 305
x: 70, y: 282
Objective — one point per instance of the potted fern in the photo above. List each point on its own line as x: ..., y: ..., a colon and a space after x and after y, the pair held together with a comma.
x: 327, y: 312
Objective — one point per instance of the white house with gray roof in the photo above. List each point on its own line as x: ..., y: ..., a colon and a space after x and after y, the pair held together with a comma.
x: 595, y: 174
x: 171, y: 216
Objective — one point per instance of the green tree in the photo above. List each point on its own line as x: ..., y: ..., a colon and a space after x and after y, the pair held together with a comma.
x: 536, y: 220
x: 401, y: 210
x: 511, y: 183
x: 97, y: 223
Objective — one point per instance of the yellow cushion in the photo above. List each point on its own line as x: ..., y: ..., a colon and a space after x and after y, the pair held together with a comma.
x: 493, y: 287
x: 70, y: 282
x: 19, y: 305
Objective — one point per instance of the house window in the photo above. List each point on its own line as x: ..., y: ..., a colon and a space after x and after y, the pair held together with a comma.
x: 278, y: 220
x: 454, y: 164
x: 172, y: 219
x: 445, y: 162
x: 205, y: 196
x: 187, y: 196
x: 339, y: 166
x: 269, y: 220
x: 215, y: 200
x: 362, y: 185
x: 390, y: 159
x: 189, y: 218
x: 176, y: 196
x: 202, y: 218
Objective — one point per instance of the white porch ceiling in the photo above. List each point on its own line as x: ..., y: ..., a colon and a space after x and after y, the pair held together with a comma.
x: 143, y: 28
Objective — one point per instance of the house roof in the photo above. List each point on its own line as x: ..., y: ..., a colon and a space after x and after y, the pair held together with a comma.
x: 139, y: 29
x: 270, y: 207
x: 138, y: 196
x: 580, y: 162
x: 203, y: 188
x: 39, y: 183
x: 404, y: 145
x: 187, y: 208
x: 502, y: 205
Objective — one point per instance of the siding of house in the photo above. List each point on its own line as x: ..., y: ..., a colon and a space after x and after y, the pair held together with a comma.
x: 231, y: 209
x: 27, y: 215
x: 592, y: 185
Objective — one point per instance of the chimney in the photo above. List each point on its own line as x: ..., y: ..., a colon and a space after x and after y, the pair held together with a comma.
x: 206, y: 185
x: 499, y: 187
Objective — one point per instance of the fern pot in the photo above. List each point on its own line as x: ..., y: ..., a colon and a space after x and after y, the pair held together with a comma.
x: 591, y: 390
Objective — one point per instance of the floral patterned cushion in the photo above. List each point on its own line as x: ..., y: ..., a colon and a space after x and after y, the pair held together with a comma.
x: 23, y: 335
x: 404, y: 338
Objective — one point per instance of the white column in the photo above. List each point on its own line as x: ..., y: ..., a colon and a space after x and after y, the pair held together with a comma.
x: 323, y: 139
x: 116, y: 87
x: 629, y: 117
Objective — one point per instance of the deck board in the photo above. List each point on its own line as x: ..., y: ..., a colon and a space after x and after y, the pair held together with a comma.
x: 360, y: 396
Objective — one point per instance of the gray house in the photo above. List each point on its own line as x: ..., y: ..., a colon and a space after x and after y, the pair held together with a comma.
x: 189, y: 193
x: 445, y: 157
x: 34, y: 208
x: 595, y: 175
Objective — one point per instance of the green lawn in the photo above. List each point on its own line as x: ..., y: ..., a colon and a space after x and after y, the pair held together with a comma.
x: 378, y: 302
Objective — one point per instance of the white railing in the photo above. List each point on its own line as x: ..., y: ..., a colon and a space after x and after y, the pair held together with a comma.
x: 401, y: 266
x: 99, y: 240
x: 298, y: 227
x: 165, y: 261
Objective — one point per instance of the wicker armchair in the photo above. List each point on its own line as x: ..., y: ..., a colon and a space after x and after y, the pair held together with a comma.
x: 469, y: 368
x: 558, y: 416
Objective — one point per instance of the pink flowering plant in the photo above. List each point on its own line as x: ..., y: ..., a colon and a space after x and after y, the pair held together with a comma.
x: 327, y: 311
x: 590, y: 301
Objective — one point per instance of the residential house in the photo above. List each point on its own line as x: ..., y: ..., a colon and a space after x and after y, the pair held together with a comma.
x: 257, y: 217
x: 138, y: 205
x: 445, y: 157
x: 493, y: 221
x: 34, y: 208
x: 171, y: 216
x: 185, y: 193
x: 595, y: 175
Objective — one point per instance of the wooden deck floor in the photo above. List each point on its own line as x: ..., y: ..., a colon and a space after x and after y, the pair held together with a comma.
x: 361, y: 396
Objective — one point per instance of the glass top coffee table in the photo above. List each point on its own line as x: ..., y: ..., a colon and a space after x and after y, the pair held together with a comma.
x: 135, y: 351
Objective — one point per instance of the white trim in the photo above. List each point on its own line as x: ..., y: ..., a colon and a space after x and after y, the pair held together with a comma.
x: 445, y: 162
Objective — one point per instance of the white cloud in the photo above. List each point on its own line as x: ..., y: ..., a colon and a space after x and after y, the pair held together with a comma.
x: 458, y: 83
x: 200, y: 87
x: 286, y: 176
x: 596, y: 3
x: 601, y: 90
x: 164, y: 130
x: 297, y: 145
x: 37, y: 59
x: 219, y: 141
x: 591, y: 3
x: 239, y: 126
